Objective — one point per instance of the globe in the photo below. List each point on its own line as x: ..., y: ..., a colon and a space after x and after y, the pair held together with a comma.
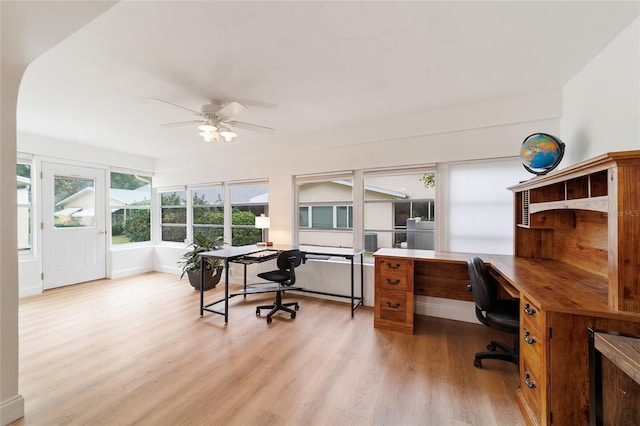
x: 540, y: 153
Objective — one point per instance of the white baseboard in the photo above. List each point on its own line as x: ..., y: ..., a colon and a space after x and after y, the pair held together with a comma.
x: 131, y: 271
x: 11, y: 410
x: 32, y: 290
x: 168, y: 269
x: 445, y: 308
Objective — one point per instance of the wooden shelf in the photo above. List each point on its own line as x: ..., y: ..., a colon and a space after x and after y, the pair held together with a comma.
x: 587, y: 215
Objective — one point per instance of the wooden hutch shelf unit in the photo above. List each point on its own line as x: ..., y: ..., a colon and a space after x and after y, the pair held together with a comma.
x: 587, y: 215
x: 576, y: 266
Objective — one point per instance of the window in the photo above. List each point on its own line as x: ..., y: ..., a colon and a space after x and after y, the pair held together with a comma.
x: 130, y: 201
x: 399, y: 209
x: 208, y: 211
x: 173, y: 209
x: 247, y: 202
x: 326, y: 217
x: 325, y: 211
x: 25, y: 218
x: 480, y: 216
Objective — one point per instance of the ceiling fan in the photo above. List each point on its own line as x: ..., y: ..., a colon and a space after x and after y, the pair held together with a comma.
x: 215, y: 119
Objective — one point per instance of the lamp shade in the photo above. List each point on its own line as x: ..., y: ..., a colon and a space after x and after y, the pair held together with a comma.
x: 262, y: 222
x: 207, y: 127
x: 227, y: 134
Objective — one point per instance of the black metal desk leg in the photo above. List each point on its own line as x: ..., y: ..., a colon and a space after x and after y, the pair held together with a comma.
x: 362, y: 279
x: 201, y: 288
x: 245, y: 281
x: 226, y: 290
x: 352, y: 279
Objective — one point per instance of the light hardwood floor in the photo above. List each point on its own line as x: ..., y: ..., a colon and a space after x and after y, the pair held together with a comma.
x: 135, y: 351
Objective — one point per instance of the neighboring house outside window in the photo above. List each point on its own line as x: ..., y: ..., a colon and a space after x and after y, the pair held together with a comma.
x: 25, y: 211
x: 173, y: 221
x: 399, y: 210
x: 130, y: 201
x: 325, y: 212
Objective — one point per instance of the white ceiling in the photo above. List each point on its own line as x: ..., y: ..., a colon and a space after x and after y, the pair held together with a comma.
x: 299, y: 66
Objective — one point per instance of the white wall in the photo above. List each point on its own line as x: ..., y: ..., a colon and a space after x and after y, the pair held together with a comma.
x: 484, y: 130
x: 601, y: 110
x: 25, y: 35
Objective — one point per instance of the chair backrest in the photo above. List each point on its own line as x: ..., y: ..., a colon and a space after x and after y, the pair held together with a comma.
x: 483, y: 286
x: 289, y: 259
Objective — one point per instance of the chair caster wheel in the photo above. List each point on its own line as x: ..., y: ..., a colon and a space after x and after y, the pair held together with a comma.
x: 477, y: 363
x: 269, y: 320
x: 293, y: 315
x: 297, y: 307
x: 491, y: 347
x: 257, y: 312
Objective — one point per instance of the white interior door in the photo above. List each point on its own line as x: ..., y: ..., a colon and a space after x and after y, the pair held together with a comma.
x: 73, y: 236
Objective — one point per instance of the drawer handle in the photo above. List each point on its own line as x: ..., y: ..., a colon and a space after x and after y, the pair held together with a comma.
x: 393, y: 282
x: 394, y: 305
x: 528, y: 337
x: 390, y: 266
x: 528, y: 309
x: 530, y: 383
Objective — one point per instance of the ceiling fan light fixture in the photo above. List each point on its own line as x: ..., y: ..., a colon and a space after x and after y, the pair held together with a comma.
x: 207, y: 127
x: 210, y: 136
x: 227, y: 134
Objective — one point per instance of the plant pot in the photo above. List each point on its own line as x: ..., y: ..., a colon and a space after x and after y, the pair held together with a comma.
x: 210, y: 281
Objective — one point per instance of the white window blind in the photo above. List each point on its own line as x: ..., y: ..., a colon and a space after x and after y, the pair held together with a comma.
x: 480, y: 208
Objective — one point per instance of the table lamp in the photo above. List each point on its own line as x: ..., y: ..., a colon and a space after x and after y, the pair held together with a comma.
x: 262, y: 222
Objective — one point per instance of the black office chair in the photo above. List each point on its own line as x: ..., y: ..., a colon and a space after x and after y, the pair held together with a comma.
x: 493, y: 312
x: 285, y: 276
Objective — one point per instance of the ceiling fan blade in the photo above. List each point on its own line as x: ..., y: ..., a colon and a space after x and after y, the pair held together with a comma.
x: 231, y: 110
x: 198, y: 113
x: 181, y: 123
x: 253, y: 127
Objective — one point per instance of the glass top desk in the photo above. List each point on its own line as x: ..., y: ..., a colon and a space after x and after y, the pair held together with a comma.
x: 256, y: 254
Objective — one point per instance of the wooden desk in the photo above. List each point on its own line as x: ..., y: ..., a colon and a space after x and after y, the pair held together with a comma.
x: 559, y: 302
x: 242, y: 254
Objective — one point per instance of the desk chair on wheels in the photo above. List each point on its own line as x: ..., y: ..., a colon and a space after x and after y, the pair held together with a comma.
x: 285, y: 276
x: 493, y: 312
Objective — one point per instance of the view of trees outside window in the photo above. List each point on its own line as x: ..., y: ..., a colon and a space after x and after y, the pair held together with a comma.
x: 23, y: 177
x: 173, y: 209
x: 399, y: 210
x: 325, y: 213
x: 130, y: 201
x: 247, y: 202
x: 208, y: 211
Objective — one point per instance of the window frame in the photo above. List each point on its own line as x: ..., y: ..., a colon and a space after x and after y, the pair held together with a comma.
x: 399, y: 171
x: 299, y: 181
x: 191, y: 224
x: 30, y: 205
x: 233, y: 185
x: 145, y: 174
x: 177, y: 189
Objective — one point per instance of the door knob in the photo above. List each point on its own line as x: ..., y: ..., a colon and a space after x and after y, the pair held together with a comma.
x: 101, y: 232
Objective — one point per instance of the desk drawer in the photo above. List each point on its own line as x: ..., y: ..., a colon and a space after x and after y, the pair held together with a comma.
x: 392, y: 305
x: 531, y: 315
x: 393, y: 274
x: 531, y: 346
x: 531, y: 388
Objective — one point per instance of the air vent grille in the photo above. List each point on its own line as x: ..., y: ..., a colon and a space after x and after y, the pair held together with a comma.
x: 525, y: 208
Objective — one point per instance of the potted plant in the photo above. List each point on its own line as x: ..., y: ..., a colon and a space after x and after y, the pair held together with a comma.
x: 190, y: 263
